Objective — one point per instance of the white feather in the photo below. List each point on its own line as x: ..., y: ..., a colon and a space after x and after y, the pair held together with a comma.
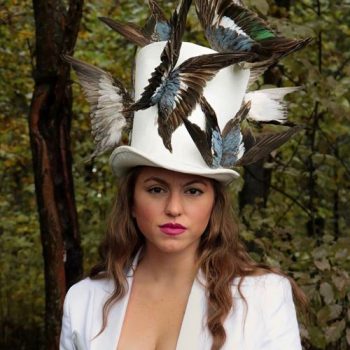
x: 227, y: 22
x: 241, y: 148
x: 268, y: 105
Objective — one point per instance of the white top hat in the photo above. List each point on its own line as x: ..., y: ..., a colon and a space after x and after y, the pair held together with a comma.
x: 188, y: 108
x: 225, y: 93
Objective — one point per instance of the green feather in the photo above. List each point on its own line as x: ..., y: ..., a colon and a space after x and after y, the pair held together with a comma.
x: 262, y: 34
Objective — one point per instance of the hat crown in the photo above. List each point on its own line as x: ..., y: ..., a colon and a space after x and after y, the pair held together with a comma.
x: 225, y: 93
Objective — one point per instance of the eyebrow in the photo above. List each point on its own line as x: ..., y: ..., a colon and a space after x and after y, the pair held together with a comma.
x: 160, y: 180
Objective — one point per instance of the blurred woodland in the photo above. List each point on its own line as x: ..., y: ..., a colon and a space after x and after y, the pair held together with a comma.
x: 293, y: 208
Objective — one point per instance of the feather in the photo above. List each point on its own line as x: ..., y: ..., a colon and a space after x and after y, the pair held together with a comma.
x: 130, y: 31
x: 157, y: 28
x: 214, y: 137
x: 208, y: 142
x: 231, y: 27
x: 157, y: 12
x: 218, y: 149
x: 233, y: 145
x: 267, y: 105
x: 107, y: 98
x: 257, y: 69
x: 200, y: 138
x: 265, y: 144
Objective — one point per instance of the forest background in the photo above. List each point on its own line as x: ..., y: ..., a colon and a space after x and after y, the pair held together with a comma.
x: 294, y: 213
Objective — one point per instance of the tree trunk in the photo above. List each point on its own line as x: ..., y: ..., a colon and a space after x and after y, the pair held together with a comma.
x: 256, y: 185
x: 49, y: 124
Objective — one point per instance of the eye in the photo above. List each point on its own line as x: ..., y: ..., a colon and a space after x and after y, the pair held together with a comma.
x: 155, y: 189
x: 194, y: 191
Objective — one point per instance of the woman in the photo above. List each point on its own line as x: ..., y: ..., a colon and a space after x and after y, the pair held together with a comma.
x: 178, y: 242
x: 173, y: 273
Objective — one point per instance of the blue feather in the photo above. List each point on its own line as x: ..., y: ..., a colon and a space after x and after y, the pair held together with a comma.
x: 163, y: 31
x: 226, y: 40
x: 166, y: 93
x: 232, y: 147
x: 216, y: 148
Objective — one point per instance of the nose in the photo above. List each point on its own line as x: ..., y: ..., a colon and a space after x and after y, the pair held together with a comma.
x: 173, y: 205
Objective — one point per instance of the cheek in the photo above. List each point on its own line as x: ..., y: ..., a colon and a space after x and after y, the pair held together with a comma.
x: 141, y: 218
x: 139, y: 212
x: 145, y: 213
x: 201, y: 214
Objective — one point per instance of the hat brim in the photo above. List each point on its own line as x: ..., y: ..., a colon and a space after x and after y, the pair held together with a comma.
x: 125, y: 158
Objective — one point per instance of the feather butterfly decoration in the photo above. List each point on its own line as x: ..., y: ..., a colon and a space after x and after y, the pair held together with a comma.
x: 219, y: 149
x: 176, y: 90
x: 229, y: 26
x: 108, y: 100
x: 157, y: 28
x: 233, y: 147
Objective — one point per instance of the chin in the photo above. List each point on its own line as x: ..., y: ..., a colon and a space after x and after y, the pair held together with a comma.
x: 175, y: 247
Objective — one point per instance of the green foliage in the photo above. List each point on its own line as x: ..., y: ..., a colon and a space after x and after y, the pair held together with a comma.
x: 304, y: 227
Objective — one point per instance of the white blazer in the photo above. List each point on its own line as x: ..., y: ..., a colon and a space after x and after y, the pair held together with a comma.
x: 269, y: 322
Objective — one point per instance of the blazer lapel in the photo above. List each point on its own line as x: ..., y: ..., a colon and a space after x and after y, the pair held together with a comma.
x: 193, y: 334
x: 109, y: 338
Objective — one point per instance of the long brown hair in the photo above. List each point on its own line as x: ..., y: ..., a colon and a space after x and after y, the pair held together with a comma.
x: 222, y: 256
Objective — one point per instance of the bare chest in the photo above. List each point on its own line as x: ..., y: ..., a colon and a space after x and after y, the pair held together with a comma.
x: 153, y: 318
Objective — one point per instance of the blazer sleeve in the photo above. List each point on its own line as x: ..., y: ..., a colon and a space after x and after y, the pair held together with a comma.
x: 66, y: 339
x: 279, y: 315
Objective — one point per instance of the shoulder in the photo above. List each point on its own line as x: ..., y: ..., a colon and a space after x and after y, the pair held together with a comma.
x: 87, y: 290
x: 269, y: 284
x: 82, y: 311
x: 270, y: 294
x: 87, y: 285
x: 270, y: 297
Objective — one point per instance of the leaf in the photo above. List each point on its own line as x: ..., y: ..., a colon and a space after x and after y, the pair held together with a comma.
x: 326, y: 290
x: 329, y: 313
x: 317, y: 337
x: 335, y: 331
x: 323, y: 264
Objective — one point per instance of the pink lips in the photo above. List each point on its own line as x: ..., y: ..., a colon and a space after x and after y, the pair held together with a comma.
x: 172, y: 229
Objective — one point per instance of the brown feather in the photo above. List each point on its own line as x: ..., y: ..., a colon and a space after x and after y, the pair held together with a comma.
x: 200, y: 138
x: 129, y: 30
x: 240, y: 116
x: 206, y: 11
x: 266, y: 144
x: 281, y: 46
x: 157, y: 12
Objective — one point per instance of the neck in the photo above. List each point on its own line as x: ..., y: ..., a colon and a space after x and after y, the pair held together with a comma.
x: 168, y: 267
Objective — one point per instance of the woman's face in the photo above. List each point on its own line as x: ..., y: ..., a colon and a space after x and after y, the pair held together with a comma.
x: 172, y: 209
